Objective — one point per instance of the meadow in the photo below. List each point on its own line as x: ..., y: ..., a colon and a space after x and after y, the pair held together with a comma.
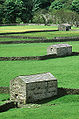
x: 7, y: 29
x: 65, y: 69
x: 50, y: 35
x: 45, y: 35
x: 66, y: 107
x: 31, y: 49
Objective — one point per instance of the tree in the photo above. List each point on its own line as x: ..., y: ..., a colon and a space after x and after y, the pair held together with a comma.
x: 44, y: 4
x: 65, y: 16
x: 75, y: 5
x: 29, y: 7
x: 42, y: 16
x: 1, y: 13
x: 56, y: 5
x: 12, y: 10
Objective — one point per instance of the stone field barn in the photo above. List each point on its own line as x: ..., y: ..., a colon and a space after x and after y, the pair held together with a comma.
x: 32, y: 88
x: 60, y: 49
x: 64, y: 27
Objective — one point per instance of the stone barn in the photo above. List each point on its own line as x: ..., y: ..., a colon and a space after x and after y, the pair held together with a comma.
x: 64, y: 27
x: 32, y: 88
x: 60, y: 49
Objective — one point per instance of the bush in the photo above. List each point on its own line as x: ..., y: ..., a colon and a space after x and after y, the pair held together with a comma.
x: 64, y: 16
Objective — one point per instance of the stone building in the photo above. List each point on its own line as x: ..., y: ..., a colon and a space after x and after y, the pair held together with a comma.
x: 64, y: 27
x: 60, y: 49
x: 32, y: 88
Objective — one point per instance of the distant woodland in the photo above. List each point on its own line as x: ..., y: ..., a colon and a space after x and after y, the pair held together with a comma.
x: 39, y: 11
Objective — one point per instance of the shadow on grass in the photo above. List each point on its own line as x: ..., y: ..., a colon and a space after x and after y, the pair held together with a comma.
x: 61, y: 92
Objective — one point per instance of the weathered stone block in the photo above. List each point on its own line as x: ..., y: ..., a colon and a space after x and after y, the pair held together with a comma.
x: 24, y: 89
x: 60, y: 49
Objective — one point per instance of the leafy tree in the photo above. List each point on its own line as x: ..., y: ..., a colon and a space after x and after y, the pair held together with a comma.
x: 56, y: 5
x: 75, y: 5
x: 44, y: 4
x: 1, y: 13
x: 12, y: 10
x: 42, y: 16
x: 65, y: 16
x: 29, y: 7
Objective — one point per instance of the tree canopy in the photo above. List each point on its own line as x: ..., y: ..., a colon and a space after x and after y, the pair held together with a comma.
x: 17, y: 11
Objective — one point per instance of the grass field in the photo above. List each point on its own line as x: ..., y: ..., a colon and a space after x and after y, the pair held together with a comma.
x: 47, y: 35
x: 4, y: 97
x: 65, y: 69
x: 50, y: 35
x: 15, y: 39
x: 63, y: 108
x: 33, y: 49
x: 6, y: 29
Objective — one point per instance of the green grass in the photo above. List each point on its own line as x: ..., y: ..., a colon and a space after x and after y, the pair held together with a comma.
x: 23, y: 49
x: 4, y: 96
x: 6, y: 29
x: 75, y: 27
x: 66, y: 70
x: 15, y: 39
x: 33, y: 49
x: 1, y: 102
x: 47, y: 35
x: 50, y: 35
x: 63, y: 109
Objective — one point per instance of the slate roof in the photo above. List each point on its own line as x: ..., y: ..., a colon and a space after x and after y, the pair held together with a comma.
x: 37, y: 77
x: 60, y: 45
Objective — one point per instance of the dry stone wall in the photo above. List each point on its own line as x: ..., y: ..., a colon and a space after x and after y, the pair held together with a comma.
x: 4, y: 89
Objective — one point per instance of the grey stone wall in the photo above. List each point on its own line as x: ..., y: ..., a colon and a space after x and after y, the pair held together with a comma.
x: 60, y: 49
x: 4, y: 90
x: 17, y: 90
x: 40, y: 90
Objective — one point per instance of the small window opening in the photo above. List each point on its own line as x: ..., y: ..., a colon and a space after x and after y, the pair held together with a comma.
x: 16, y: 95
x: 51, y: 49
